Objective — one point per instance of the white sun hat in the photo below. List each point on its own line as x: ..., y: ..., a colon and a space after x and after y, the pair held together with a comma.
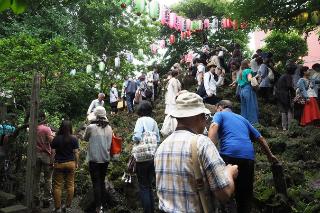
x: 189, y: 104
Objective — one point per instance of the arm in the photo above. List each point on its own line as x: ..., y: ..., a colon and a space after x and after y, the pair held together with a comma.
x: 138, y: 130
x: 76, y: 157
x: 263, y: 143
x: 302, y: 88
x: 90, y: 107
x: 213, y: 133
x: 220, y: 80
x: 87, y: 134
x: 224, y: 194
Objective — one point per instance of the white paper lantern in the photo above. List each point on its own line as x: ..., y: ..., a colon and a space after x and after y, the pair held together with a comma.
x: 140, y: 52
x: 129, y: 57
x: 73, y: 72
x: 89, y: 68
x: 117, y: 62
x: 215, y: 23
x: 101, y: 66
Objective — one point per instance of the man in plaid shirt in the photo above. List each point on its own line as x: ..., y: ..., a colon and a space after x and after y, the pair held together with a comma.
x: 175, y: 180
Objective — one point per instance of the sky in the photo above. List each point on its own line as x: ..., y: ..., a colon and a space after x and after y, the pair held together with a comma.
x: 168, y: 2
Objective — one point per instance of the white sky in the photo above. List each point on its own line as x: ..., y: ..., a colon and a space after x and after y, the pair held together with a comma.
x: 168, y: 2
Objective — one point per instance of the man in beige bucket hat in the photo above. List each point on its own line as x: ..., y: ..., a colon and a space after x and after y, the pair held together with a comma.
x: 174, y: 165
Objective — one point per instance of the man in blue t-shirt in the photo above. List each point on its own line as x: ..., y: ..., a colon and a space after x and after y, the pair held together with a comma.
x: 235, y: 133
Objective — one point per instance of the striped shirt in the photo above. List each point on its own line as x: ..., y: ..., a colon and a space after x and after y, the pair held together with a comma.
x: 174, y: 172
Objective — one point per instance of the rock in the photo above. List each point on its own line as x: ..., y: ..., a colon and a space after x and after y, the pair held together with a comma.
x: 6, y: 199
x: 14, y: 209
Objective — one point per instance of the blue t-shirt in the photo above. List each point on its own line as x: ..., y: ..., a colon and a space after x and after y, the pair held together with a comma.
x: 234, y: 134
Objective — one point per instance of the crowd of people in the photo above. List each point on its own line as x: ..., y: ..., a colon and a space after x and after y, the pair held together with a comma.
x: 191, y: 173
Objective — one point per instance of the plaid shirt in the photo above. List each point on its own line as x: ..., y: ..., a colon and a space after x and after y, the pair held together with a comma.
x: 174, y: 172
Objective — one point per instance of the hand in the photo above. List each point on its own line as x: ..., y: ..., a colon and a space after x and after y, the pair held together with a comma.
x: 233, y: 170
x: 273, y: 159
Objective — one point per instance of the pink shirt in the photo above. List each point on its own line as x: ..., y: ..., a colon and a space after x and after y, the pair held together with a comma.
x: 43, y: 142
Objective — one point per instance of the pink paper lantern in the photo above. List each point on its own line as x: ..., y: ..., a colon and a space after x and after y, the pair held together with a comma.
x: 172, y: 39
x: 164, y: 15
x: 154, y: 48
x: 172, y: 20
x: 206, y: 23
x: 227, y: 23
x: 178, y: 23
x: 188, y: 24
x: 162, y: 44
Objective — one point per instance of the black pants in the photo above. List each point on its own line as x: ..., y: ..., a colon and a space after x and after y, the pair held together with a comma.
x: 265, y: 93
x: 213, y: 100
x: 243, y: 183
x: 155, y: 90
x: 114, y: 107
x: 145, y: 174
x: 98, y: 172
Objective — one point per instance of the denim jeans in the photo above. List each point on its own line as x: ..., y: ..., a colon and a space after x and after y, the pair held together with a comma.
x: 130, y: 97
x: 145, y: 174
x: 98, y: 172
x: 63, y: 172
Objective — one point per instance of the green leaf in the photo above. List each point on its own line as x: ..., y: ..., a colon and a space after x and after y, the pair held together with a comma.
x: 18, y: 6
x: 4, y: 4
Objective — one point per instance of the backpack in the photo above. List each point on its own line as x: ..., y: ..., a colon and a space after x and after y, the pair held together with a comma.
x: 202, y: 90
x: 131, y: 87
x: 147, y: 147
x: 270, y: 74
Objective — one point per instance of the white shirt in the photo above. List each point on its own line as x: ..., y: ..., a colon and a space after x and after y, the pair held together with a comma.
x: 94, y: 104
x: 210, y: 84
x: 113, y: 95
x: 254, y: 65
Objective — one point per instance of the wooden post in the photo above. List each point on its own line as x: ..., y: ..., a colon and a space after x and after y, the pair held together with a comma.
x: 32, y: 140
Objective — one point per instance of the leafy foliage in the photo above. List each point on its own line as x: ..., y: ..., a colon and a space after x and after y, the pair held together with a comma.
x: 285, y: 46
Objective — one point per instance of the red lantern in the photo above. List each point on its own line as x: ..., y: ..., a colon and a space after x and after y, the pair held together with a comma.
x: 172, y: 39
x: 226, y: 23
x: 188, y: 34
x: 206, y: 24
x: 244, y: 25
x: 183, y: 35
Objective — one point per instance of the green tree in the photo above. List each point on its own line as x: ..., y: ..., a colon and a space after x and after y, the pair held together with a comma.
x: 285, y: 46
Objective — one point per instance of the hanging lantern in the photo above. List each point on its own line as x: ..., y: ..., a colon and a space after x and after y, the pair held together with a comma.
x: 194, y: 25
x: 178, y: 22
x: 215, y: 23
x: 140, y: 53
x: 226, y: 23
x: 315, y: 17
x: 117, y: 62
x: 125, y: 3
x: 154, y: 48
x: 129, y: 57
x: 139, y: 6
x: 188, y: 24
x: 206, y: 24
x: 188, y: 34
x: 73, y: 72
x: 244, y: 25
x: 154, y: 9
x: 101, y: 66
x: 172, y: 39
x: 183, y: 27
x: 89, y: 68
x: 235, y: 24
x: 163, y: 12
x: 200, y: 25
x: 302, y: 18
x: 183, y: 35
x: 162, y: 44
x: 172, y: 20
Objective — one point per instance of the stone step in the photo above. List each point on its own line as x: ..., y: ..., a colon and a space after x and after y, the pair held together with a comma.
x: 14, y: 209
x: 6, y: 199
